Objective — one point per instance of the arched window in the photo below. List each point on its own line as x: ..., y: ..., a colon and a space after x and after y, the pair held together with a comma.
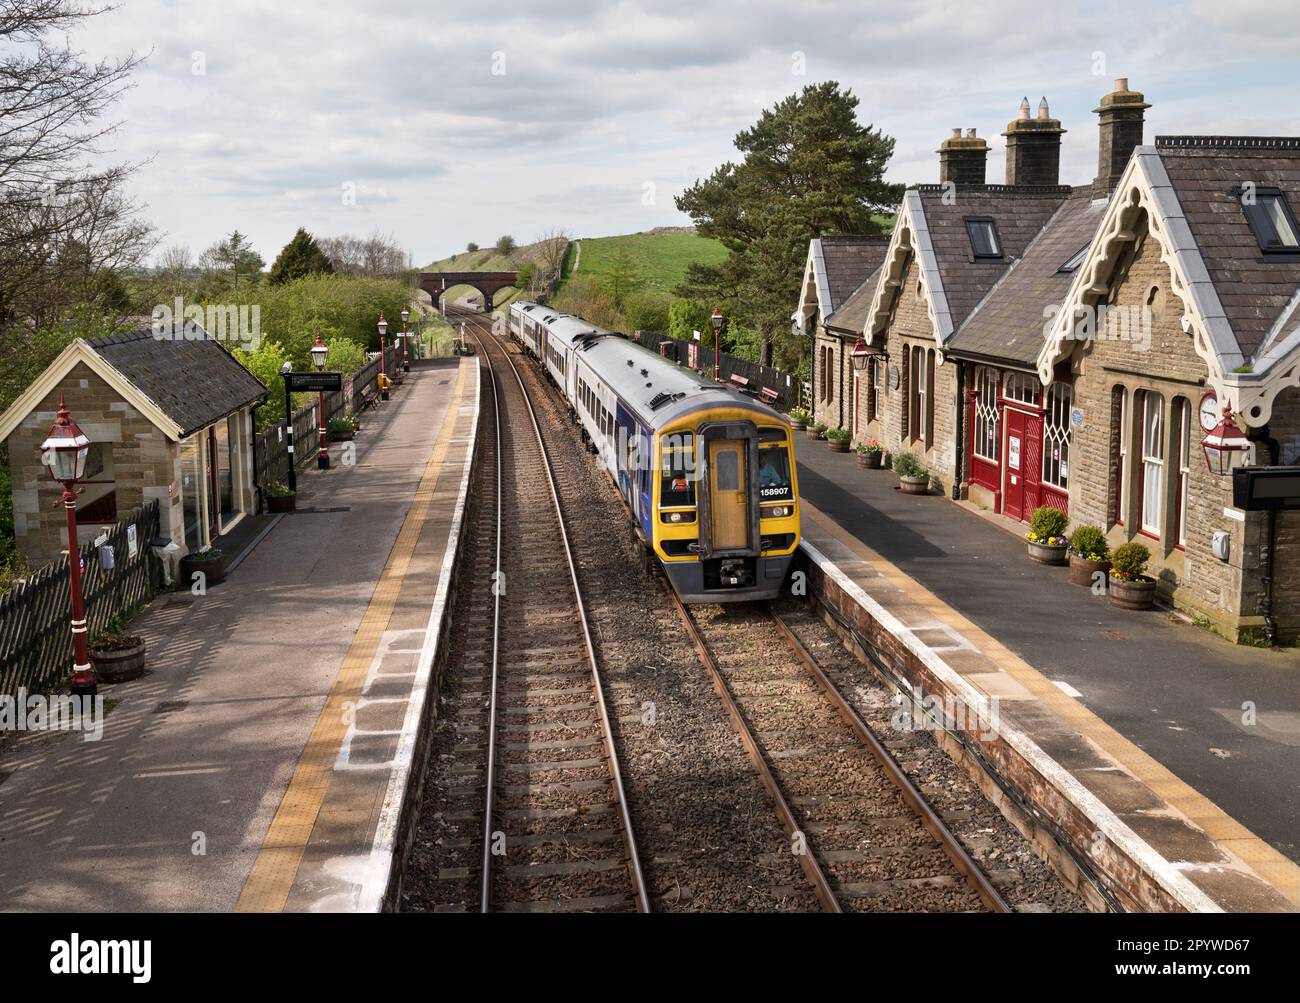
x: 1153, y: 462
x: 988, y: 440
x: 1056, y: 436
x: 1119, y: 432
x: 1182, y: 414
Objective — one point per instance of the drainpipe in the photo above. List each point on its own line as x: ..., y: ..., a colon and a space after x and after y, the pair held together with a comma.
x: 840, y: 356
x: 1270, y: 625
x: 959, y: 465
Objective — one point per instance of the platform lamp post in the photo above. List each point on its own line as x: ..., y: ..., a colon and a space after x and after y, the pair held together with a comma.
x: 406, y: 341
x: 1226, y: 446
x: 383, y: 357
x: 320, y: 354
x: 717, y: 332
x: 64, y: 452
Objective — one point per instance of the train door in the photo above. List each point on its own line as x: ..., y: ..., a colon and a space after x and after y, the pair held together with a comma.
x: 728, y: 495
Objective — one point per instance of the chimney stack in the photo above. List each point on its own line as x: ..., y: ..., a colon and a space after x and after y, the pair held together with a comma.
x: 1122, y: 114
x: 1034, y: 147
x: 962, y: 159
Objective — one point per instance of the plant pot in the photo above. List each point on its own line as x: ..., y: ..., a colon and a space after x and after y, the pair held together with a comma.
x: 813, y: 433
x: 799, y: 426
x: 213, y: 570
x: 341, y: 436
x: 1044, y: 554
x: 281, y: 503
x: 1082, y: 572
x: 838, y: 445
x: 1140, y: 594
x: 870, y: 460
x: 119, y: 666
x: 914, y: 485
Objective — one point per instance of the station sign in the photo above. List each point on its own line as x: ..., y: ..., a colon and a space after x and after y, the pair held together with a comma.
x: 313, y: 382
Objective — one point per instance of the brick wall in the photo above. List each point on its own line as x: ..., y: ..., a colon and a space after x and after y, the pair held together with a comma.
x: 144, y: 463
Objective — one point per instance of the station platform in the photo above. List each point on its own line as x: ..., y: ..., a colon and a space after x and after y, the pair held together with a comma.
x: 263, y: 762
x: 1124, y: 731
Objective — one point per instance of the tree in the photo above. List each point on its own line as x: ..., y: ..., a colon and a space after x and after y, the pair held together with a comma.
x: 63, y: 223
x: 232, y: 257
x: 379, y: 255
x: 505, y: 244
x: 471, y: 247
x: 686, y: 317
x: 622, y: 277
x: 809, y: 169
x: 549, y: 252
x: 301, y: 256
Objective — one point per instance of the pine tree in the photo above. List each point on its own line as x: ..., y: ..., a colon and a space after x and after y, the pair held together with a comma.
x: 302, y: 256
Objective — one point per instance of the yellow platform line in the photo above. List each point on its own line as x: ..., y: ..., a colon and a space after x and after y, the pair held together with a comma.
x: 271, y: 878
x: 1271, y: 866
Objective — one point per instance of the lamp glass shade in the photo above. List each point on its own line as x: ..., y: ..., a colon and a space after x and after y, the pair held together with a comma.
x: 1226, y: 447
x: 405, y: 313
x: 860, y: 355
x: 382, y: 325
x: 717, y: 320
x: 65, y: 454
x: 319, y: 354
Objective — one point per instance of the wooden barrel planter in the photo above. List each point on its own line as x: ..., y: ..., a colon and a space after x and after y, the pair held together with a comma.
x: 281, y: 503
x: 1043, y: 553
x: 838, y: 445
x: 871, y: 461
x: 1135, y: 595
x: 1083, y: 572
x: 214, y: 569
x: 120, y: 661
x: 914, y: 485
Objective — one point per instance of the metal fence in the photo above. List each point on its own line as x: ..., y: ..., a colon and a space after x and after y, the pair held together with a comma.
x: 35, y: 615
x: 359, y: 389
x: 783, y: 383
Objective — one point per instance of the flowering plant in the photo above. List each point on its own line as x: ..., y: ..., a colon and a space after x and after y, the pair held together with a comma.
x: 870, y: 446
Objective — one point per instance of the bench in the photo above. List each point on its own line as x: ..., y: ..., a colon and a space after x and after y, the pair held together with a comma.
x: 768, y: 396
x: 738, y: 381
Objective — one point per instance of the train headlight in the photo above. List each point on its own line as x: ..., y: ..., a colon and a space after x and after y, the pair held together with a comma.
x: 778, y: 511
x: 677, y: 518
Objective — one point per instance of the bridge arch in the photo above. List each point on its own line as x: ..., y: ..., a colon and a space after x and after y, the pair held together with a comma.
x: 487, y: 283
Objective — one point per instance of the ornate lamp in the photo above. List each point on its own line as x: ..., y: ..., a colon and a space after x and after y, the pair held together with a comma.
x: 1226, y: 446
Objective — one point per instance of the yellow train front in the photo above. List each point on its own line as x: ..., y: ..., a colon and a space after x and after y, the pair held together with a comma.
x: 707, y: 472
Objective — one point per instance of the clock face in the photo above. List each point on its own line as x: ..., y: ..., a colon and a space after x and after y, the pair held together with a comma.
x: 1209, y: 412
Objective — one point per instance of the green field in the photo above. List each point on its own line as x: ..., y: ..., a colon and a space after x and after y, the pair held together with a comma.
x: 661, y: 257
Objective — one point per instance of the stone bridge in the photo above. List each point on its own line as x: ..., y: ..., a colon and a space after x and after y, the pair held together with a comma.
x: 487, y: 283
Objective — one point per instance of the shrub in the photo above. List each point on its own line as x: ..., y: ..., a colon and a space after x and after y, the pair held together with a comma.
x: 907, y: 465
x: 838, y: 434
x: 1089, y: 543
x: 871, y: 446
x: 799, y: 414
x: 342, y: 424
x: 1047, y: 525
x: 206, y: 554
x: 277, y: 489
x: 1129, y: 562
x: 819, y: 427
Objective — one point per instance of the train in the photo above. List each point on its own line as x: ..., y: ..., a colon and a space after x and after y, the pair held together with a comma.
x: 707, y: 472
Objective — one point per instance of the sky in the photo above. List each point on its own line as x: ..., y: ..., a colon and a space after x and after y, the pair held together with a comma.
x: 443, y: 123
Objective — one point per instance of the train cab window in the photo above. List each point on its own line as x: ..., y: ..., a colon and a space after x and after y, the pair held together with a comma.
x: 677, y: 470
x: 773, y: 466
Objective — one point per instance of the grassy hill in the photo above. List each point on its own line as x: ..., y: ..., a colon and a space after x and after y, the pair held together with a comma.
x: 661, y: 256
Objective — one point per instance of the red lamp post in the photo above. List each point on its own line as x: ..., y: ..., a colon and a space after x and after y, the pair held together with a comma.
x: 717, y: 331
x: 860, y: 355
x: 406, y: 342
x: 319, y: 355
x: 383, y: 358
x: 64, y: 452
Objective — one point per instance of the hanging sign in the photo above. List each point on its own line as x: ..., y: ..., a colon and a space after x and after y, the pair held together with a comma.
x: 313, y: 382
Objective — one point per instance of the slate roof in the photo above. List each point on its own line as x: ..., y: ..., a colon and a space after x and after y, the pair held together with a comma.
x: 192, y: 379
x: 851, y: 317
x: 1008, y: 325
x: 849, y: 260
x: 1019, y: 212
x: 1253, y: 287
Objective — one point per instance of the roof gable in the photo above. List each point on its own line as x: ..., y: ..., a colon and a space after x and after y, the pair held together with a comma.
x: 835, y: 268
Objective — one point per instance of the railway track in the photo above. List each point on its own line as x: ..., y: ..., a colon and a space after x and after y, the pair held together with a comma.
x: 864, y: 835
x: 551, y: 831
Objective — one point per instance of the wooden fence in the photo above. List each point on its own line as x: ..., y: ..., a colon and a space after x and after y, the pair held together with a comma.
x: 35, y: 616
x: 786, y: 386
x: 271, y: 446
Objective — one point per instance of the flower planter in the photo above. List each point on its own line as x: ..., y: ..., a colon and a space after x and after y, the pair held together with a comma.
x: 838, y: 445
x: 798, y: 426
x: 814, y: 434
x: 1083, y: 572
x: 1138, y: 594
x: 214, y: 570
x: 119, y: 664
x: 340, y: 436
x: 1046, y: 554
x: 871, y: 461
x: 281, y: 503
x: 914, y: 485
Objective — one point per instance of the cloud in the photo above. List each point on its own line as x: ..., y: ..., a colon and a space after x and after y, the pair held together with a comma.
x: 461, y: 122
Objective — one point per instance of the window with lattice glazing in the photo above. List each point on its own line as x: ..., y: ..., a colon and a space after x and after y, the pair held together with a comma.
x: 987, y: 438
x: 1056, y: 436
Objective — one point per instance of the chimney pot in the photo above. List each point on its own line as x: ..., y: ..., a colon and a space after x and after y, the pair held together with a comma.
x: 1024, y: 109
x: 956, y: 133
x: 1121, y: 83
x: 970, y: 133
x: 1121, y: 116
x: 1043, y: 111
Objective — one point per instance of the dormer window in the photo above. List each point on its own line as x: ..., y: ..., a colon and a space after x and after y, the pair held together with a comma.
x: 1072, y: 265
x: 983, y: 232
x: 1271, y: 218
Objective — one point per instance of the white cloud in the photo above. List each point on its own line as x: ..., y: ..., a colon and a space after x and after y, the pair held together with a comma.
x: 401, y: 99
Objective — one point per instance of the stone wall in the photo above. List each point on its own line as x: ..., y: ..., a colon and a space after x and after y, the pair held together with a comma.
x: 144, y: 464
x: 1228, y: 594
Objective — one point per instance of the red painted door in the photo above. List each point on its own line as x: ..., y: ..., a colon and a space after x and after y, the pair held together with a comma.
x: 1023, y: 467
